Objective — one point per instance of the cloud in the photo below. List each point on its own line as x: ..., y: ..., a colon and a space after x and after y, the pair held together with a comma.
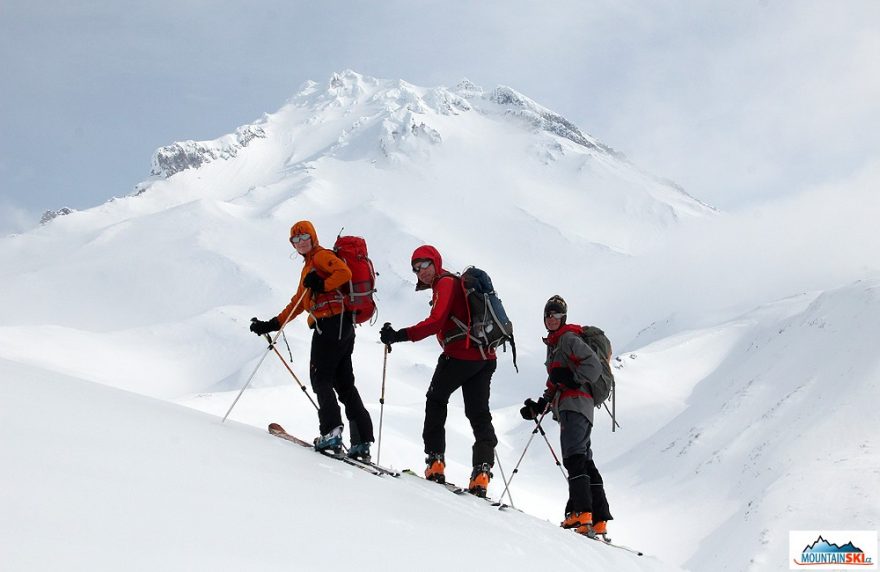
x: 740, y: 102
x: 15, y: 219
x: 821, y: 238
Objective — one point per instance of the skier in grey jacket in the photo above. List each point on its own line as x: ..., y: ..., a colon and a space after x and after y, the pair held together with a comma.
x: 572, y: 367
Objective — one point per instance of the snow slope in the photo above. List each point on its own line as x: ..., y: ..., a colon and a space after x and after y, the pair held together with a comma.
x: 100, y: 479
x: 153, y: 294
x: 770, y: 426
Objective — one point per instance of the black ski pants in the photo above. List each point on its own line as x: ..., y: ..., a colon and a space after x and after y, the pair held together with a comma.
x: 474, y: 378
x: 586, y: 490
x: 331, y: 374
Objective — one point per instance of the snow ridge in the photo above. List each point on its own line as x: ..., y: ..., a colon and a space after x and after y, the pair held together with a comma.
x: 49, y: 216
x: 546, y: 120
x: 180, y: 156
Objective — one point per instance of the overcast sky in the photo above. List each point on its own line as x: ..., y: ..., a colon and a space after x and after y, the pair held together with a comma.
x: 739, y: 102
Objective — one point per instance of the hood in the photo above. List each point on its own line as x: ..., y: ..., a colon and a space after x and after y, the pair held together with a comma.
x: 305, y: 227
x: 428, y: 252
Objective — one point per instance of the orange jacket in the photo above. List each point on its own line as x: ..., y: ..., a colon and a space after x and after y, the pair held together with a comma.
x: 329, y: 267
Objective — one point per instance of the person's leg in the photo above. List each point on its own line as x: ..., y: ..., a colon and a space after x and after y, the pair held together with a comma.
x: 574, y: 432
x: 446, y: 379
x: 325, y: 356
x: 360, y: 423
x: 601, y: 510
x: 475, y: 391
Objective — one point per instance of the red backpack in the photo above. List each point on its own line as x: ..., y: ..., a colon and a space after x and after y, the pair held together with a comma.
x: 359, y: 293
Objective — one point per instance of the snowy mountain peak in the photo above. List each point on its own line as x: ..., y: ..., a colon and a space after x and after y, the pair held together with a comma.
x: 398, y: 102
x: 352, y: 84
x: 392, y: 123
x: 467, y: 89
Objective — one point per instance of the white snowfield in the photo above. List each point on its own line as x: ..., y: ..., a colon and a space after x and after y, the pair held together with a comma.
x: 99, y: 479
x: 748, y: 385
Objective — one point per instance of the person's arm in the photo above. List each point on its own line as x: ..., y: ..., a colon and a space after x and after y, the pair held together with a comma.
x: 440, y: 310
x: 334, y: 270
x: 585, y: 363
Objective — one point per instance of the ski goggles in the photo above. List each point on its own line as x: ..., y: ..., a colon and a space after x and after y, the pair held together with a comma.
x: 300, y: 238
x: 555, y: 315
x: 420, y: 265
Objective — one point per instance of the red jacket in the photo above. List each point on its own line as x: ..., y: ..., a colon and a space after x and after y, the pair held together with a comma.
x: 448, y: 301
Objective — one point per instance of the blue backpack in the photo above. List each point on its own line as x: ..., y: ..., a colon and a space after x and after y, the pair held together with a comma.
x: 488, y: 324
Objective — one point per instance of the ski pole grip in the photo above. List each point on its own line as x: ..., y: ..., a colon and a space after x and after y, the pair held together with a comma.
x: 387, y: 346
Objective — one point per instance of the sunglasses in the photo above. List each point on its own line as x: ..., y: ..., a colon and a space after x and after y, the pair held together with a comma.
x: 299, y: 238
x: 555, y: 315
x: 420, y: 265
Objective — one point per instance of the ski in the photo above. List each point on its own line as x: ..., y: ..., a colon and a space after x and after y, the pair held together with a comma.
x: 448, y: 486
x: 455, y: 489
x: 607, y: 542
x: 372, y: 468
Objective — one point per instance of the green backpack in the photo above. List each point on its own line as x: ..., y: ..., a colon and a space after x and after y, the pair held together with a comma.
x: 599, y: 343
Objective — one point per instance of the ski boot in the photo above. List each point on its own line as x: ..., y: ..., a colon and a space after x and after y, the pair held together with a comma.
x: 582, y: 521
x: 436, y: 466
x: 599, y: 530
x: 332, y: 441
x: 480, y: 476
x: 360, y: 452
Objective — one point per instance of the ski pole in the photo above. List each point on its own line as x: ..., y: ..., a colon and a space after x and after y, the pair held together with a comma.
x: 301, y: 386
x: 504, y: 479
x: 262, y: 359
x: 614, y: 422
x: 521, y: 457
x: 614, y: 408
x: 382, y: 400
x: 552, y: 452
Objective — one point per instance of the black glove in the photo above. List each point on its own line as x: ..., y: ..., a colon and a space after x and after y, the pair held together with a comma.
x: 314, y: 282
x: 533, y: 408
x: 389, y: 335
x: 563, y: 376
x: 260, y: 327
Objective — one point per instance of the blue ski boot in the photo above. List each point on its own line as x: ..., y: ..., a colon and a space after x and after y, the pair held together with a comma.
x: 332, y: 441
x: 360, y: 452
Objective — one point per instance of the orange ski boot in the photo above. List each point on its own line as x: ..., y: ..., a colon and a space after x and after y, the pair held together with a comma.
x: 436, y: 466
x: 598, y: 529
x: 578, y: 520
x: 480, y: 477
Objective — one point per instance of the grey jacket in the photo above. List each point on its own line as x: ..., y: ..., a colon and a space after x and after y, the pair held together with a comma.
x: 566, y: 348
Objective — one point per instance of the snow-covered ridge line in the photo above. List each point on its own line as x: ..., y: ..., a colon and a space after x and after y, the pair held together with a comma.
x: 49, y: 216
x: 546, y: 120
x: 348, y: 87
x: 183, y: 155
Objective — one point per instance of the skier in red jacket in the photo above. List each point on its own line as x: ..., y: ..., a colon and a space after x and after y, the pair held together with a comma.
x: 459, y: 365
